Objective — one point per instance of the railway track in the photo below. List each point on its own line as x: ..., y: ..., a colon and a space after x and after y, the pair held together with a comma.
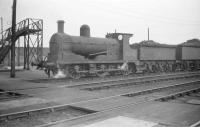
x: 153, y: 97
x: 11, y: 95
x: 84, y: 81
x: 133, y: 81
x: 158, y: 93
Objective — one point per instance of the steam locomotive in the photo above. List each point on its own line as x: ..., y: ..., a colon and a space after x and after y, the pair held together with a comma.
x: 78, y: 56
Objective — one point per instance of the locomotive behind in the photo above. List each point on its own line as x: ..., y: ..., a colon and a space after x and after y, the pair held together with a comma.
x: 78, y: 56
x: 188, y: 55
x: 156, y: 57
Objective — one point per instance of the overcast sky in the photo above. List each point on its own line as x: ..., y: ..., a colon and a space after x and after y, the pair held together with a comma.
x: 170, y: 21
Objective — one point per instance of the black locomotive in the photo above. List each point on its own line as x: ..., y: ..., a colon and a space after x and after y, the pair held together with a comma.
x: 78, y: 56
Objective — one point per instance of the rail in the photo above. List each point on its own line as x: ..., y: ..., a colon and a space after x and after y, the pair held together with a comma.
x: 54, y: 108
x: 95, y: 114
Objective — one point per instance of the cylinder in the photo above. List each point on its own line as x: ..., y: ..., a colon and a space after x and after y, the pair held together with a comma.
x: 85, y: 31
x: 60, y: 26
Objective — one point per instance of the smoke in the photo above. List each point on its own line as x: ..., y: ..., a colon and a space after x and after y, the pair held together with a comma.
x: 60, y: 74
x: 123, y: 67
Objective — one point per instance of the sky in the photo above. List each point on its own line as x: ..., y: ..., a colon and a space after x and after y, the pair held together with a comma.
x: 169, y: 21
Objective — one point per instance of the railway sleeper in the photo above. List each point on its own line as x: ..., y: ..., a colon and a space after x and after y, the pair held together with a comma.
x: 131, y: 83
x: 17, y: 116
x: 177, y: 95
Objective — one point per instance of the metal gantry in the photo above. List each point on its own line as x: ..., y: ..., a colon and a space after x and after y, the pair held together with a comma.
x: 31, y: 30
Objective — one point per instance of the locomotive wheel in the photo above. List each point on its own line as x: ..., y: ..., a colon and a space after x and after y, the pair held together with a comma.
x: 170, y: 67
x: 47, y: 71
x: 185, y: 68
x: 158, y: 69
x: 125, y: 72
x: 132, y: 69
x: 54, y: 71
x: 154, y: 69
x: 147, y: 69
x: 166, y: 68
x: 112, y: 73
x: 102, y: 74
x: 73, y: 74
x: 174, y: 66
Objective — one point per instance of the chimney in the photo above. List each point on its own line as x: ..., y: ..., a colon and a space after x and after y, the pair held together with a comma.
x: 60, y: 26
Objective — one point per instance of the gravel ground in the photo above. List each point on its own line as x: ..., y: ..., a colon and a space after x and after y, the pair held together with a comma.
x: 44, y: 118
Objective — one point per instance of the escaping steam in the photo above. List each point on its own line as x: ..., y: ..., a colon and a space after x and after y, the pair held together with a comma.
x: 60, y: 74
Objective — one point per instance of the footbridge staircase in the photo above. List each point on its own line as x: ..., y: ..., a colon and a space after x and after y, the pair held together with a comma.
x: 32, y: 45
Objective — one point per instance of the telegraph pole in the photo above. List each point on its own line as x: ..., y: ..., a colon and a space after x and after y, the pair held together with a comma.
x: 2, y: 41
x: 12, y: 73
x: 2, y: 29
x: 148, y: 33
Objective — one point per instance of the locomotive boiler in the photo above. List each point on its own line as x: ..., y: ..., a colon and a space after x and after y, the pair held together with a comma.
x: 83, y: 55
